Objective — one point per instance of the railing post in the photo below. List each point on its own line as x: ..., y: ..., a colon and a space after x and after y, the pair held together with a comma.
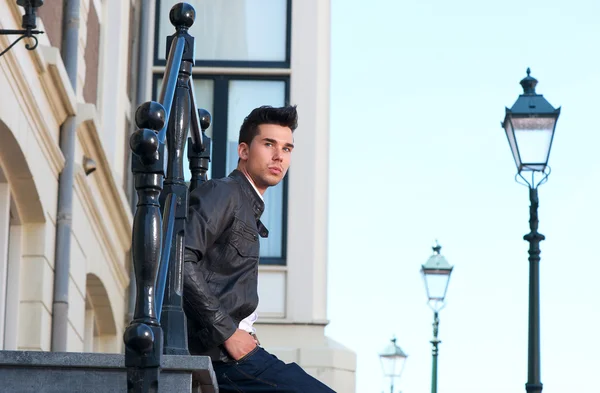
x: 143, y: 337
x: 173, y: 319
x: 198, y: 160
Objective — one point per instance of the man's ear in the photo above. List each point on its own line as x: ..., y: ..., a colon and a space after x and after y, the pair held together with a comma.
x: 243, y: 150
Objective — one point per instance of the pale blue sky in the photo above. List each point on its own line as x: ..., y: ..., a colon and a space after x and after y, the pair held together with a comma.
x: 418, y: 90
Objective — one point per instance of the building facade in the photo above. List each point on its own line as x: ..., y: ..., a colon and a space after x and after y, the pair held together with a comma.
x: 37, y: 100
x: 248, y: 53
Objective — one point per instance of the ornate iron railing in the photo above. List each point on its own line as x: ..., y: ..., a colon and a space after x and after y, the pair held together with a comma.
x: 159, y: 325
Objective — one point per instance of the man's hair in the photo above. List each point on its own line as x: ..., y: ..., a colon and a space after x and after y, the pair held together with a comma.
x: 285, y: 116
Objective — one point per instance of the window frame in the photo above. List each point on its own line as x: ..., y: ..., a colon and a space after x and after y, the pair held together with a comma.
x: 219, y: 127
x: 230, y: 63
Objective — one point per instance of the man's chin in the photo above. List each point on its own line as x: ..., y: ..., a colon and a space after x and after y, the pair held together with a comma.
x: 273, y: 180
x: 273, y: 183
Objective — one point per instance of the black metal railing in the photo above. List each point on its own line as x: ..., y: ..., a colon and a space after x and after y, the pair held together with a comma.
x: 159, y: 325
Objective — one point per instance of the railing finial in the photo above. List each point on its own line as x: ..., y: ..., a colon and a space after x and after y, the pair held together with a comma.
x: 182, y: 16
x: 205, y: 118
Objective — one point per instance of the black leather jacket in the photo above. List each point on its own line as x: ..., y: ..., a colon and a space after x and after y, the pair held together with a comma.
x: 220, y: 286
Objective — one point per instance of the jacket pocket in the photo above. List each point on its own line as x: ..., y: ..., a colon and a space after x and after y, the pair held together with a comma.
x: 245, y: 230
x: 244, y: 239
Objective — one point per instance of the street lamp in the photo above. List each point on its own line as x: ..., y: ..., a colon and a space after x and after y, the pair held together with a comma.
x: 436, y: 274
x: 392, y: 362
x: 529, y: 127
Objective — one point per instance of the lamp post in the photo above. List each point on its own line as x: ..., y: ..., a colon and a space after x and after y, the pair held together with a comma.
x: 436, y: 274
x: 529, y: 127
x: 392, y: 360
x: 28, y: 24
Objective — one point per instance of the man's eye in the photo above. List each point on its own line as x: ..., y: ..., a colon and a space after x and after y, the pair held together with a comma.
x: 287, y: 149
x: 268, y: 144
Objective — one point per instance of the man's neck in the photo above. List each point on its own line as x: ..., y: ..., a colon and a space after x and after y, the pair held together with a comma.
x: 251, y: 182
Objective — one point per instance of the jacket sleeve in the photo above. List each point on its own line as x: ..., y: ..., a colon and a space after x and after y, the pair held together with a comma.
x: 211, y: 211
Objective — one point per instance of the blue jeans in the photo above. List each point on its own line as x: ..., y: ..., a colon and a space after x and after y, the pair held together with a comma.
x: 259, y: 371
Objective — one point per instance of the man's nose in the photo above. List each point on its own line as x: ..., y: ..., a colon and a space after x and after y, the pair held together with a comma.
x: 277, y: 155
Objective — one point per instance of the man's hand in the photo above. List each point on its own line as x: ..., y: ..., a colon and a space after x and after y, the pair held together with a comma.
x: 239, y: 344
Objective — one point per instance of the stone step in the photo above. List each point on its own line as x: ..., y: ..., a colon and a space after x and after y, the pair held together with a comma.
x: 66, y: 372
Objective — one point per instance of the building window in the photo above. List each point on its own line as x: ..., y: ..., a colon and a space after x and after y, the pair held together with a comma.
x: 240, y: 33
x: 230, y: 98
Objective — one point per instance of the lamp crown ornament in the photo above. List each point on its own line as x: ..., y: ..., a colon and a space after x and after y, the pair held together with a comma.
x: 437, y: 260
x: 529, y: 83
x: 393, y: 350
x: 436, y: 248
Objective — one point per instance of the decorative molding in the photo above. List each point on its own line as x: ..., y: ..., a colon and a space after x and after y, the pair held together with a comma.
x: 53, y: 78
x: 56, y: 84
x: 32, y: 111
x: 114, y: 199
x: 101, y: 230
x: 117, y: 204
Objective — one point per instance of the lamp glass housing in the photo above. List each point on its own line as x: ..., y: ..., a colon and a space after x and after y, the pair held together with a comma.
x: 530, y: 140
x: 392, y: 360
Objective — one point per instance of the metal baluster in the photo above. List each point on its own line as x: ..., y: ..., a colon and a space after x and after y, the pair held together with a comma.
x: 173, y: 318
x: 199, y: 159
x: 143, y: 337
x: 167, y: 235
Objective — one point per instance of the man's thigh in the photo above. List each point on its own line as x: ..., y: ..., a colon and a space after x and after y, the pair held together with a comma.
x: 260, y: 371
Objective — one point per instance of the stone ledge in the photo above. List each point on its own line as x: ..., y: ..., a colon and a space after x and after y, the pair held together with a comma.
x: 50, y: 372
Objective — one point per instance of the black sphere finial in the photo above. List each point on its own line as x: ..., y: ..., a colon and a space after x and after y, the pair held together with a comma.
x: 205, y: 118
x: 528, y: 71
x: 150, y: 115
x: 139, y: 337
x: 144, y: 144
x: 182, y: 15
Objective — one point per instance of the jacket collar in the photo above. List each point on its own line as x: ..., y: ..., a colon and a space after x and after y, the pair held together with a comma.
x: 258, y: 205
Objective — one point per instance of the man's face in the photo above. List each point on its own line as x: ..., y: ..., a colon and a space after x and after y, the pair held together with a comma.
x: 267, y: 158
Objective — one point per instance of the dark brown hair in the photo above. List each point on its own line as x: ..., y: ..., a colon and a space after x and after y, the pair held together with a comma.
x: 286, y: 116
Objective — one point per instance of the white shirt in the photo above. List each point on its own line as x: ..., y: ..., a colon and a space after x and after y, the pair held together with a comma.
x: 248, y: 322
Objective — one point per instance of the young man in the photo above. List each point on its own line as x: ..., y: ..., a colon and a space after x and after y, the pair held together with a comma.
x: 220, y: 289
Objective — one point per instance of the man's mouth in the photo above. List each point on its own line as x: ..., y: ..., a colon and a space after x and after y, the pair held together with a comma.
x: 275, y: 170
